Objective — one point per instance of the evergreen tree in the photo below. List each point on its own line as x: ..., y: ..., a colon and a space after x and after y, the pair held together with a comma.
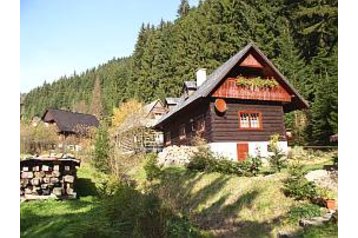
x: 184, y: 8
x: 102, y: 149
x: 96, y: 105
x: 324, y: 111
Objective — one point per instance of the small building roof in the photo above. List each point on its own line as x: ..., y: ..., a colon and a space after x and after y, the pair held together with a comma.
x: 141, y: 118
x: 172, y: 101
x: 149, y: 107
x: 68, y: 121
x: 190, y: 84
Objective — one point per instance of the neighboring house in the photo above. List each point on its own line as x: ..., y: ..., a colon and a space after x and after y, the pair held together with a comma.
x: 70, y: 123
x: 236, y: 109
x: 136, y: 133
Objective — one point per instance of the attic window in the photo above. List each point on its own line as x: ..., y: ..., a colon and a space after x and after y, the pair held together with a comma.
x: 250, y: 120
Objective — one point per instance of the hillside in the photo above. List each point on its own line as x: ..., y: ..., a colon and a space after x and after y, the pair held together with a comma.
x: 299, y: 36
x: 192, y: 205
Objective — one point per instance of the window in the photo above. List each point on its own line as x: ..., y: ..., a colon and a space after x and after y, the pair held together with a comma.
x: 250, y: 120
x: 168, y: 138
x: 244, y: 120
x: 254, y: 120
x: 182, y: 134
x: 198, y: 125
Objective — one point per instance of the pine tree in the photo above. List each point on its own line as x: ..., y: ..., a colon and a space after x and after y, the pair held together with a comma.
x: 96, y: 105
x: 184, y: 8
x: 102, y: 149
x: 324, y: 111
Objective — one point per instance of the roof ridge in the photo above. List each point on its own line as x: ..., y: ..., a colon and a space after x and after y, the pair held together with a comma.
x: 62, y: 110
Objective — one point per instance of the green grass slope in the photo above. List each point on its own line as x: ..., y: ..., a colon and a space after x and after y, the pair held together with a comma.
x: 200, y: 205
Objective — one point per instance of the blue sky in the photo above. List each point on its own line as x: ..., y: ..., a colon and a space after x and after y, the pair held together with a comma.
x: 58, y: 37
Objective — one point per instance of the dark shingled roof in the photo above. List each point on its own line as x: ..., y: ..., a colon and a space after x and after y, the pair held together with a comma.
x: 68, y: 121
x: 218, y: 75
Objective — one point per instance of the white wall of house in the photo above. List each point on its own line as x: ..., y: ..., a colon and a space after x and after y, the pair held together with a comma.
x: 229, y: 149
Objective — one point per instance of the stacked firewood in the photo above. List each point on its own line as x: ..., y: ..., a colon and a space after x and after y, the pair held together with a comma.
x: 48, y: 180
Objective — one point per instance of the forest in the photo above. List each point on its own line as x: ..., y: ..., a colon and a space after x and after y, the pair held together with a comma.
x: 299, y: 36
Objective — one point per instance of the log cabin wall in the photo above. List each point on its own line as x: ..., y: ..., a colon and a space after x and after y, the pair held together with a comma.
x: 187, y: 117
x: 225, y: 127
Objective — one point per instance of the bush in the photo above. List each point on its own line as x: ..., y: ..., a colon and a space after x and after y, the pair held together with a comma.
x: 300, y: 189
x: 297, y: 186
x: 202, y: 160
x: 181, y: 227
x: 36, y: 139
x: 151, y: 168
x: 335, y: 160
x: 102, y: 149
x: 255, y: 164
x: 277, y: 160
x: 205, y: 160
x: 304, y: 211
x: 134, y: 214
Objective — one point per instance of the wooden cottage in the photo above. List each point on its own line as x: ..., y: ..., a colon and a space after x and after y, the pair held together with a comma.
x: 70, y: 123
x: 236, y: 109
x: 136, y: 134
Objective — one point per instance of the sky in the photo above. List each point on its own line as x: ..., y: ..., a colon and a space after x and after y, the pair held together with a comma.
x: 58, y: 37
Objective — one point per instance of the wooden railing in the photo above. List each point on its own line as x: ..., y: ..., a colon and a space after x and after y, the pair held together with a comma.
x: 229, y: 89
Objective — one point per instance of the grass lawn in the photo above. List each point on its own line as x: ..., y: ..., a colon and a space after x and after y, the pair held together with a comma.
x: 54, y: 218
x: 231, y: 206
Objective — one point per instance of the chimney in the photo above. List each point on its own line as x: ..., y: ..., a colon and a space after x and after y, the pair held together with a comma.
x: 200, y: 77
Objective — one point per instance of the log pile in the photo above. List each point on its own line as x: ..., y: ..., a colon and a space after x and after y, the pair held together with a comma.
x: 51, y: 177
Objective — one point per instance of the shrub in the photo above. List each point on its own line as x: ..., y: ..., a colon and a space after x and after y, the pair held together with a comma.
x: 37, y: 138
x: 222, y: 165
x: 297, y: 186
x: 205, y: 160
x: 181, y: 227
x: 255, y: 164
x: 151, y: 168
x: 304, y: 211
x: 277, y: 160
x: 202, y: 160
x: 325, y: 193
x: 102, y: 149
x: 300, y: 189
x: 134, y: 214
x: 335, y: 160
